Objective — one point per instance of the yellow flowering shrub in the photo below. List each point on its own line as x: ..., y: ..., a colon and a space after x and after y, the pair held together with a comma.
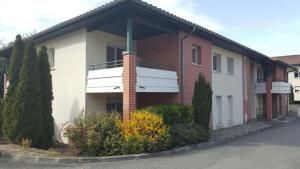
x: 147, y: 128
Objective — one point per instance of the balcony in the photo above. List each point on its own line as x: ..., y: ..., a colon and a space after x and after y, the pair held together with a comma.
x: 260, y: 86
x: 108, y: 78
x: 281, y: 87
x: 277, y: 87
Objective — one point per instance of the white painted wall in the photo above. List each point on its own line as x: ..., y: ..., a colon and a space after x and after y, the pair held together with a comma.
x: 97, y: 41
x: 295, y: 82
x: 68, y: 76
x: 224, y: 85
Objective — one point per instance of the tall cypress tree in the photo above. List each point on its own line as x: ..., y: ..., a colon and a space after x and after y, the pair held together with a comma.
x: 202, y: 102
x: 47, y: 96
x: 15, y: 63
x: 28, y: 99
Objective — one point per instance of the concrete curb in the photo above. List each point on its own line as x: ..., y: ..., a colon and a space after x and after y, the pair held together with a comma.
x: 78, y: 160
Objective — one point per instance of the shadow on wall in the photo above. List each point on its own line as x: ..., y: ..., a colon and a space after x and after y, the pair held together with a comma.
x: 75, y: 110
x: 59, y: 127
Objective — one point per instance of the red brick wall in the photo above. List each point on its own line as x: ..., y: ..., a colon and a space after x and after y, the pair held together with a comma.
x: 279, y: 73
x: 192, y: 71
x: 246, y: 88
x: 160, y: 50
x: 165, y: 49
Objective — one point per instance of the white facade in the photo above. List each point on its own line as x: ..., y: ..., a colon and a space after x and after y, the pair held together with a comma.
x: 68, y: 76
x: 227, y: 91
x: 77, y: 89
x: 295, y: 82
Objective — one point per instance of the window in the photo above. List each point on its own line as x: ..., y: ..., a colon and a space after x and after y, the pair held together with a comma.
x: 219, y: 110
x: 114, y: 57
x: 297, y: 75
x: 114, y: 105
x: 217, y: 62
x: 51, y: 56
x: 196, y: 54
x: 230, y: 65
x: 230, y: 109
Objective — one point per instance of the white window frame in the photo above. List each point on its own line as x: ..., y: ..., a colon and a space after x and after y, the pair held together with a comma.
x: 219, y: 108
x: 230, y: 70
x: 230, y: 109
x: 196, y: 59
x: 218, y: 67
x: 51, y: 58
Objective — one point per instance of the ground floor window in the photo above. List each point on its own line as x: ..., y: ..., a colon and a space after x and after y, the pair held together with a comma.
x: 230, y: 109
x: 114, y: 107
x: 219, y: 109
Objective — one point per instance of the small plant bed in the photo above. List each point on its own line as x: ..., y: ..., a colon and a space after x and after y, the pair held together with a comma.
x: 238, y: 131
x: 54, y: 151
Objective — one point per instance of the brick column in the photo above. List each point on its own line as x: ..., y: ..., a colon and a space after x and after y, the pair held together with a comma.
x: 283, y: 104
x: 129, y: 85
x: 269, y: 106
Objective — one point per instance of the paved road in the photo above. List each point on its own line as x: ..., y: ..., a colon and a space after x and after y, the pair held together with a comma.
x: 277, y: 148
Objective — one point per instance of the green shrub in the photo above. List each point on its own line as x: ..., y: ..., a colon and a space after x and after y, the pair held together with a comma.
x: 132, y: 146
x: 148, y: 129
x: 202, y: 102
x: 1, y: 116
x: 187, y: 133
x: 174, y: 113
x: 96, y: 134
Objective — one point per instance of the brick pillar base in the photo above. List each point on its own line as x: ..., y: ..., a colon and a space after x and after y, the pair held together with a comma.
x: 129, y: 85
x: 269, y: 103
x: 283, y: 104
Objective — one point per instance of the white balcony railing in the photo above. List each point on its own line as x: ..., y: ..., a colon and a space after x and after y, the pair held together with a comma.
x: 281, y: 87
x: 260, y: 87
x: 108, y: 78
x: 277, y: 87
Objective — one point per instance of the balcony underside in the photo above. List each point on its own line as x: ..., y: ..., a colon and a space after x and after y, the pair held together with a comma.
x: 148, y: 80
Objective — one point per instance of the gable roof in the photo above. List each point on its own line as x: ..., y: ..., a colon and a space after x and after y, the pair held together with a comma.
x: 289, y: 59
x: 111, y: 9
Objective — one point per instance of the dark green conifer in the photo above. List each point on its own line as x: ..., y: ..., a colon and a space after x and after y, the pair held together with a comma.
x: 27, y: 102
x: 15, y: 63
x: 47, y: 96
x: 202, y: 102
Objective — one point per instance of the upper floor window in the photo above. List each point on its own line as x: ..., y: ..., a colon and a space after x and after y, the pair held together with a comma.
x: 297, y: 75
x: 196, y: 54
x: 114, y: 57
x: 230, y: 65
x: 51, y: 57
x: 217, y: 62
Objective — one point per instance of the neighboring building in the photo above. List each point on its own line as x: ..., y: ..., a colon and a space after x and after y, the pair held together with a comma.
x: 129, y: 54
x: 293, y: 76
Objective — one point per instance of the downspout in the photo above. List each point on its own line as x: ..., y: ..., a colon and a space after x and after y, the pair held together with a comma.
x: 181, y: 63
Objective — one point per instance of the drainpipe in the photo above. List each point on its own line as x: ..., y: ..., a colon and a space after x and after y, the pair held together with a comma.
x: 181, y: 63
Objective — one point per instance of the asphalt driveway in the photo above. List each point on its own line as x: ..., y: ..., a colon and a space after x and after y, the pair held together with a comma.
x: 277, y: 148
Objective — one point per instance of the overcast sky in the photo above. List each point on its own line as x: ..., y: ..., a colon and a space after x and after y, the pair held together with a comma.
x: 268, y: 26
